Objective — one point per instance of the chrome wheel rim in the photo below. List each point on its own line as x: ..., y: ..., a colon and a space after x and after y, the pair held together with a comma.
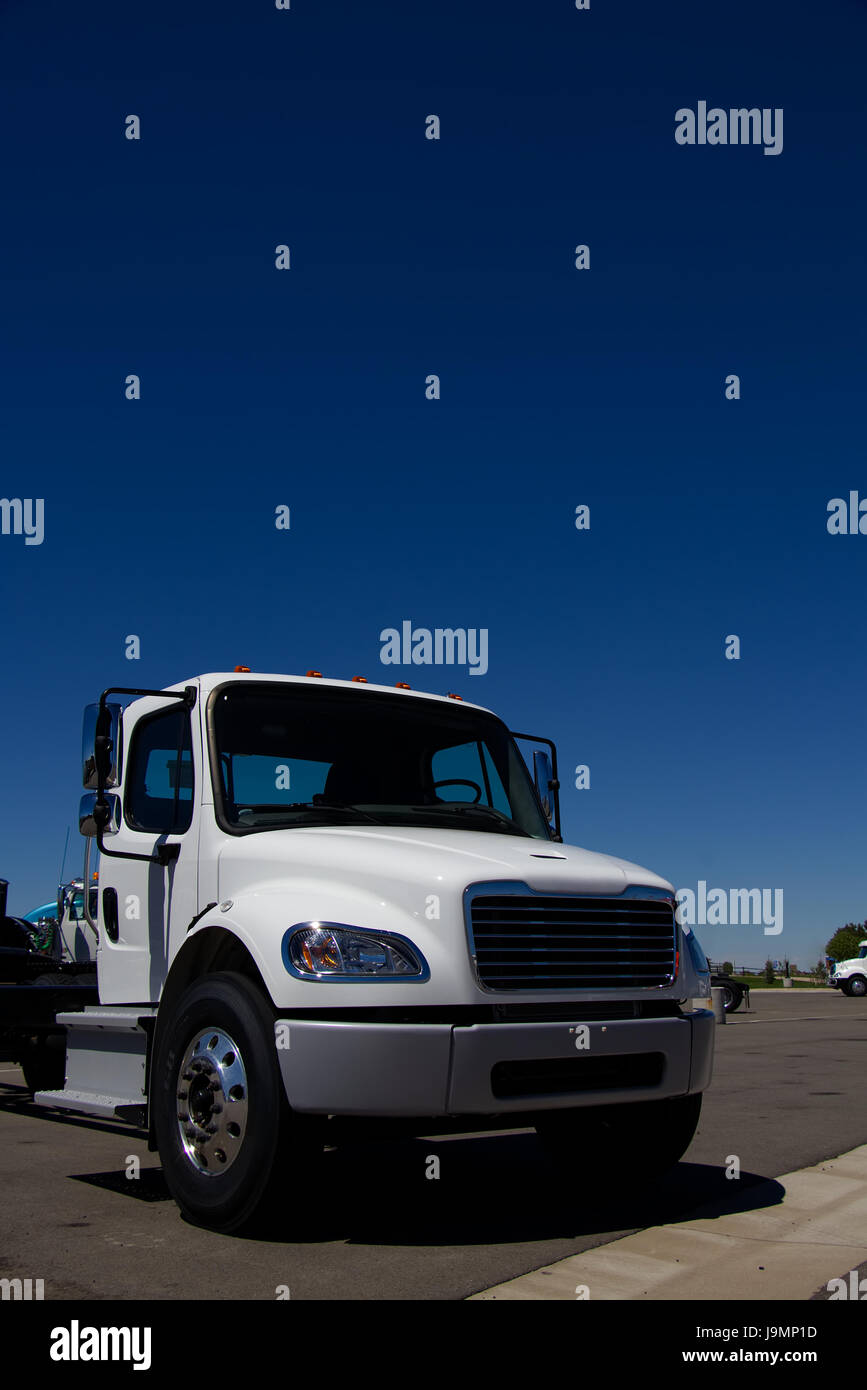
x: 212, y: 1102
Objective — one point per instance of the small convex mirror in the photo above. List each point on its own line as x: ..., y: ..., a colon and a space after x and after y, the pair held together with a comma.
x: 87, y: 820
x: 88, y: 747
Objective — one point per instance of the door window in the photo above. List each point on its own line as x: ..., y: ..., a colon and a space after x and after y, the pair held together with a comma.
x: 159, y: 785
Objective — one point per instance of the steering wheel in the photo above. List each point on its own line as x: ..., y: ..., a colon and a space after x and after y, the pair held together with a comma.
x: 460, y: 782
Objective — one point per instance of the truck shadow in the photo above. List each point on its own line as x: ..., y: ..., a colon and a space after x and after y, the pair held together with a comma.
x: 498, y: 1190
x: 491, y: 1189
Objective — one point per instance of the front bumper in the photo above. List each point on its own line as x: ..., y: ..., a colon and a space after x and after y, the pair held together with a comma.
x: 388, y: 1069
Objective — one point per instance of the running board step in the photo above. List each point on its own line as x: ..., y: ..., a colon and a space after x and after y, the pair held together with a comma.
x: 106, y: 1057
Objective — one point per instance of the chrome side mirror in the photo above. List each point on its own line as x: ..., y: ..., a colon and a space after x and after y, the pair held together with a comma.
x: 87, y: 821
x: 112, y: 755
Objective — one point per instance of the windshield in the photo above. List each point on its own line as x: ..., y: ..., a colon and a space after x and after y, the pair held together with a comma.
x: 285, y: 756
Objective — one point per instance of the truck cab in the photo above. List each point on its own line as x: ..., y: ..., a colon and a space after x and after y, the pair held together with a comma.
x: 326, y: 900
x: 850, y: 976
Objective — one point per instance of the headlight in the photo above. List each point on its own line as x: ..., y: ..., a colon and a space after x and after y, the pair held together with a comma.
x: 329, y: 951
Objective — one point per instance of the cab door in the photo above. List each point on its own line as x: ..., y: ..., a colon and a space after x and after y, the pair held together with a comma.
x: 154, y: 902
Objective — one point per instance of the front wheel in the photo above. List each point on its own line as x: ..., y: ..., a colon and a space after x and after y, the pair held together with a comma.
x: 609, y: 1144
x: 226, y: 1138
x: 857, y: 987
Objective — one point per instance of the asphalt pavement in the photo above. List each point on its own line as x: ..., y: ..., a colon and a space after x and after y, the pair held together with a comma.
x: 788, y: 1092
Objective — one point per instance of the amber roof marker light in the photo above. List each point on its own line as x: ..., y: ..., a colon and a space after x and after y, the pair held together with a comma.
x: 314, y: 673
x: 242, y: 668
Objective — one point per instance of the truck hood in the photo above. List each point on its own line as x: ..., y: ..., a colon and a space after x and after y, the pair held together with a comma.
x: 385, y: 858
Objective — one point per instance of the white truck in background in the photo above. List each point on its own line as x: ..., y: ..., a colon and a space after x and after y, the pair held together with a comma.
x: 322, y: 901
x: 850, y: 976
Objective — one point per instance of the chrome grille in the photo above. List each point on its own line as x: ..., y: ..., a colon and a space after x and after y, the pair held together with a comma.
x: 539, y: 941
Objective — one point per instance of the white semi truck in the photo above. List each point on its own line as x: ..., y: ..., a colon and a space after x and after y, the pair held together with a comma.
x: 327, y: 901
x: 850, y: 976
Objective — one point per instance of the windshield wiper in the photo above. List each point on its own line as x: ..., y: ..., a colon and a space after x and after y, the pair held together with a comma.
x: 460, y: 810
x: 268, y: 808
x: 342, y: 806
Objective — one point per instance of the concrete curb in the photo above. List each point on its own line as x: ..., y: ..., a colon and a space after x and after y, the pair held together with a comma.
x: 783, y: 1250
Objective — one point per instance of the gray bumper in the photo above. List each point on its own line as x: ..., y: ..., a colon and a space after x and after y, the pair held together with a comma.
x: 489, y: 1069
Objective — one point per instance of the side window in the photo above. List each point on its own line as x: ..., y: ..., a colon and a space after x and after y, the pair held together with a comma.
x: 159, y: 783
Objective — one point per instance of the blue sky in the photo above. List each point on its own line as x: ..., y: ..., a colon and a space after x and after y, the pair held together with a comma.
x: 558, y: 387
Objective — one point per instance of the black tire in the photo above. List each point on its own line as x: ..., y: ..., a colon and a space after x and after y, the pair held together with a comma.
x: 239, y: 1190
x: 44, y: 1063
x: 857, y: 987
x: 844, y: 988
x: 733, y: 996
x: 620, y: 1144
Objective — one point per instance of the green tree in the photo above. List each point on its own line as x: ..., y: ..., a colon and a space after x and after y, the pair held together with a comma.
x: 769, y: 972
x: 728, y: 968
x: 845, y: 942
